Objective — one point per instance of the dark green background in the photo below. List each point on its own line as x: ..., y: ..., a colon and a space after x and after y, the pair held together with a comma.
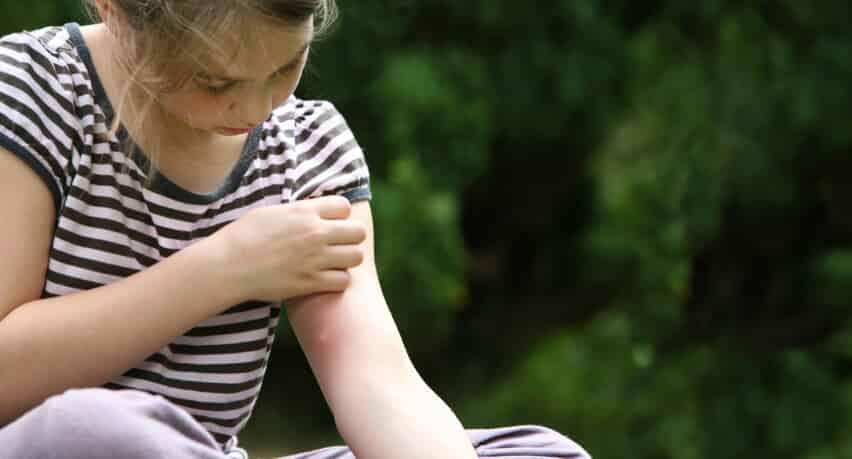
x: 621, y: 219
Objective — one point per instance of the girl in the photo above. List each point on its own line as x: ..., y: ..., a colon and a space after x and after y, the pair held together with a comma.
x: 163, y: 191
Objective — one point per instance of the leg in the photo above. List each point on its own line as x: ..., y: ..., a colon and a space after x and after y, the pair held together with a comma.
x: 520, y: 442
x: 106, y: 424
x: 525, y: 442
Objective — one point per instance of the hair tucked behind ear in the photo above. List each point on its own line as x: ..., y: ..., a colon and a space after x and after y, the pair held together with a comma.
x: 192, y: 31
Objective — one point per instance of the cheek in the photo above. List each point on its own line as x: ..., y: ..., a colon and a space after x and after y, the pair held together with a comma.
x: 287, y: 87
x: 194, y: 106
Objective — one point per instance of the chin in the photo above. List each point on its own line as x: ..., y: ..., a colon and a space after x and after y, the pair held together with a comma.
x: 209, y: 130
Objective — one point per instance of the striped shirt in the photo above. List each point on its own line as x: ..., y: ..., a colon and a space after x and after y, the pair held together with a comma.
x: 110, y: 224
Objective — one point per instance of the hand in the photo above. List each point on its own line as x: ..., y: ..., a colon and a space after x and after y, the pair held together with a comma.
x: 291, y: 250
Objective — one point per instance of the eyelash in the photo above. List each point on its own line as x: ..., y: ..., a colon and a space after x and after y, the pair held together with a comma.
x: 220, y: 89
x: 225, y: 87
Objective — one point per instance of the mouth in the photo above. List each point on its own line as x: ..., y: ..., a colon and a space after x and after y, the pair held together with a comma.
x: 233, y: 131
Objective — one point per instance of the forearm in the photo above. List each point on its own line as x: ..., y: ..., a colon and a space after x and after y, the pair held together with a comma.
x: 391, y: 419
x: 87, y: 338
x: 381, y: 405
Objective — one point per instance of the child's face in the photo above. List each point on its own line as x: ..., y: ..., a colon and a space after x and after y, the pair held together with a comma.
x: 230, y: 98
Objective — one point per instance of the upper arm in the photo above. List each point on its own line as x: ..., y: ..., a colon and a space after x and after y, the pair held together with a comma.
x: 344, y: 333
x: 39, y: 129
x: 328, y: 159
x: 27, y: 216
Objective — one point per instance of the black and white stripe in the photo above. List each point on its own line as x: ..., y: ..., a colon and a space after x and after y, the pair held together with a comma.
x: 55, y: 117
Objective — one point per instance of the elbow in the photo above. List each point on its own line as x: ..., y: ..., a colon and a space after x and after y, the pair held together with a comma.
x: 10, y: 399
x: 375, y: 392
x: 373, y: 385
x: 342, y: 362
x: 6, y: 369
x: 17, y: 387
x: 365, y: 375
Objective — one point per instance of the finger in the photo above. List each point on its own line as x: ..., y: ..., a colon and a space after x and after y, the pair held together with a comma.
x: 332, y: 280
x: 339, y: 232
x: 332, y: 207
x: 341, y: 257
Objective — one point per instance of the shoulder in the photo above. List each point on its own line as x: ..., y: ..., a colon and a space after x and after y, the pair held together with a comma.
x: 324, y: 156
x: 43, y: 43
x: 310, y: 127
x: 39, y: 117
x: 299, y: 119
x: 43, y: 53
x: 39, y: 74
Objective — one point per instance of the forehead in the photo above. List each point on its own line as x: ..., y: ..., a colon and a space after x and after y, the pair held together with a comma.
x: 257, y: 48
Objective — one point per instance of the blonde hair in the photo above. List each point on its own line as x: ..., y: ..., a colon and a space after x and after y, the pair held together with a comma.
x: 193, y: 32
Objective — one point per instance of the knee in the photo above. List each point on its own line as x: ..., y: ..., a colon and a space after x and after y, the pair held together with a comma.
x: 100, y: 423
x: 560, y: 442
x: 525, y: 441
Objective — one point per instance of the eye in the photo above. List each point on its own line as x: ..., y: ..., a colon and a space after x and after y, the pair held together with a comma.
x: 284, y: 71
x: 219, y: 88
x: 214, y: 87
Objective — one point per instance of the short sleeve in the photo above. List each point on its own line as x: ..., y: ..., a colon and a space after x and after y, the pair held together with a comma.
x: 328, y: 159
x: 36, y: 114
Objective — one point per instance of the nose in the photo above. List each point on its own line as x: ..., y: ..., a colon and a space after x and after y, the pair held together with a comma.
x: 253, y: 107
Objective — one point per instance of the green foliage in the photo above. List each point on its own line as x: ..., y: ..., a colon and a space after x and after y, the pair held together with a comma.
x: 833, y: 278
x: 439, y: 140
x: 19, y: 16
x: 615, y: 394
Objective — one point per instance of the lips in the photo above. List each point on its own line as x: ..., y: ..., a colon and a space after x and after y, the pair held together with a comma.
x: 233, y: 131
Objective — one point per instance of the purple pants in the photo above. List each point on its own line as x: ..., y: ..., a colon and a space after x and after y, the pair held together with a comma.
x: 106, y: 424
